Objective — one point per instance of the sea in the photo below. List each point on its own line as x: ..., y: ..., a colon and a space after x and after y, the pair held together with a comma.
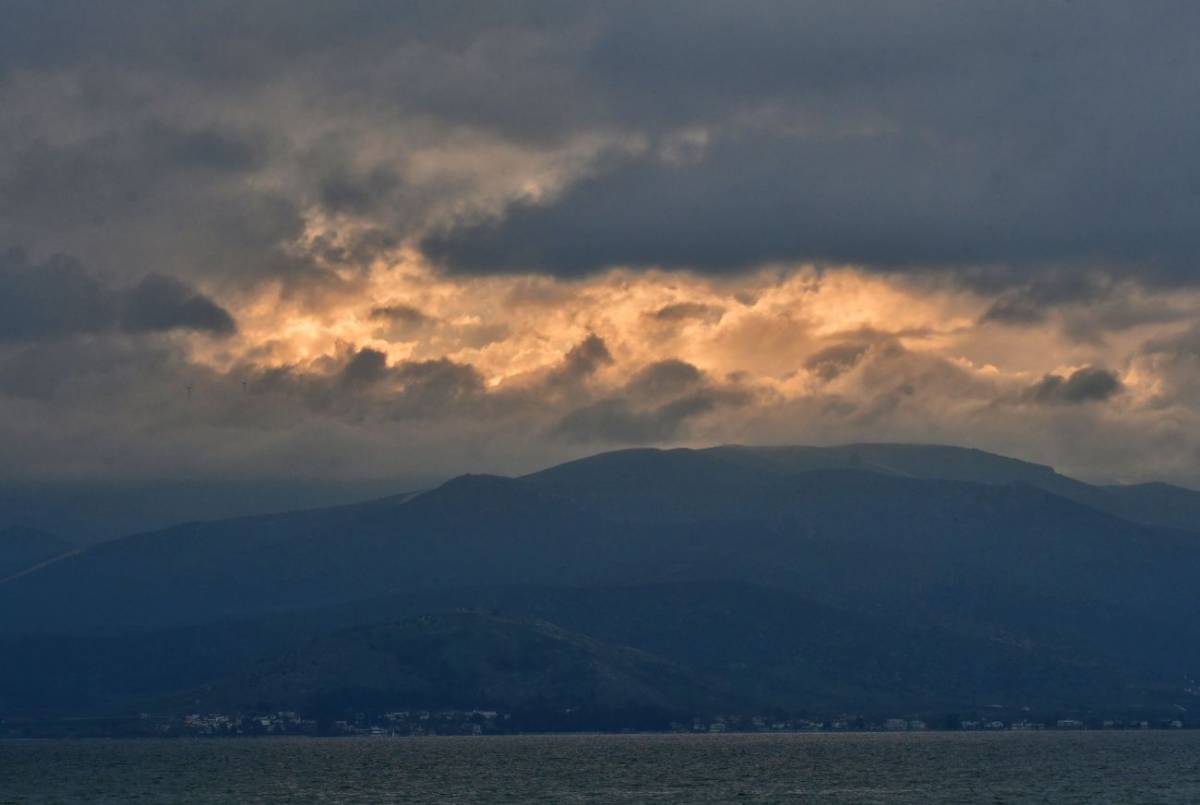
x: 1009, y: 767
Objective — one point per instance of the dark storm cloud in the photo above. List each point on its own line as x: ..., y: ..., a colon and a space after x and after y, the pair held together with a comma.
x: 58, y: 298
x: 90, y: 370
x: 662, y: 378
x: 583, y: 360
x: 51, y: 299
x: 436, y: 387
x: 864, y: 346
x: 365, y: 367
x: 362, y: 386
x: 1031, y: 302
x: 63, y: 32
x: 748, y: 202
x: 203, y: 149
x: 1088, y: 306
x: 1089, y: 384
x: 341, y: 185
x: 400, y: 314
x: 153, y: 192
x: 1018, y: 307
x: 1091, y: 322
x: 683, y: 311
x: 345, y: 192
x: 620, y: 421
x: 885, y: 200
x: 121, y: 167
x: 160, y: 303
x: 1181, y: 344
x: 1016, y: 136
x: 403, y: 322
x: 656, y: 404
x: 358, y: 248
x: 833, y: 360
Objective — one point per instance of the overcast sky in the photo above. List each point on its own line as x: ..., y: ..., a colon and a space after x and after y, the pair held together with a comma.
x: 320, y: 242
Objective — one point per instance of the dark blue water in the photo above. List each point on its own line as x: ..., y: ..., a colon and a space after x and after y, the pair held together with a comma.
x: 1085, y: 767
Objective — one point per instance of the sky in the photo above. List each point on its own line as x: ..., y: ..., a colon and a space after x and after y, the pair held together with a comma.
x: 382, y: 243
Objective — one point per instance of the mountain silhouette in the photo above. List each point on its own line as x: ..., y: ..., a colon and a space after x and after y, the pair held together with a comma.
x: 802, y: 578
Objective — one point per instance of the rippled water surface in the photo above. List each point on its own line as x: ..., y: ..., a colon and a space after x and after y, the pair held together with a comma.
x: 1089, y: 767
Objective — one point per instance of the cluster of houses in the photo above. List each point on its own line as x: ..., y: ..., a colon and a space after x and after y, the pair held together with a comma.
x: 424, y: 722
x: 283, y: 722
x: 738, y: 723
x: 491, y: 722
x: 860, y: 724
x: 400, y: 722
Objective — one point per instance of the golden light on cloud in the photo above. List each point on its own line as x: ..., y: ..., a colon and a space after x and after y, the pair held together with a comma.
x: 765, y: 324
x: 531, y: 368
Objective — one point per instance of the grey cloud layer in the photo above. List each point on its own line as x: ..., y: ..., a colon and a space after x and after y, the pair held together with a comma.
x: 1016, y: 135
x: 1047, y: 154
x: 58, y: 298
x: 1083, y: 385
x: 883, y: 200
x: 910, y: 134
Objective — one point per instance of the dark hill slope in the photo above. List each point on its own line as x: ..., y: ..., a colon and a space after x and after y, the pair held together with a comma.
x: 473, y: 530
x: 1154, y: 504
x: 462, y: 660
x: 956, y: 553
x: 749, y: 648
x: 23, y: 548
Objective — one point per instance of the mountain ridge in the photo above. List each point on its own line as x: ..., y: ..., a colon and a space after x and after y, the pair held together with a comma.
x: 795, y: 577
x: 23, y: 549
